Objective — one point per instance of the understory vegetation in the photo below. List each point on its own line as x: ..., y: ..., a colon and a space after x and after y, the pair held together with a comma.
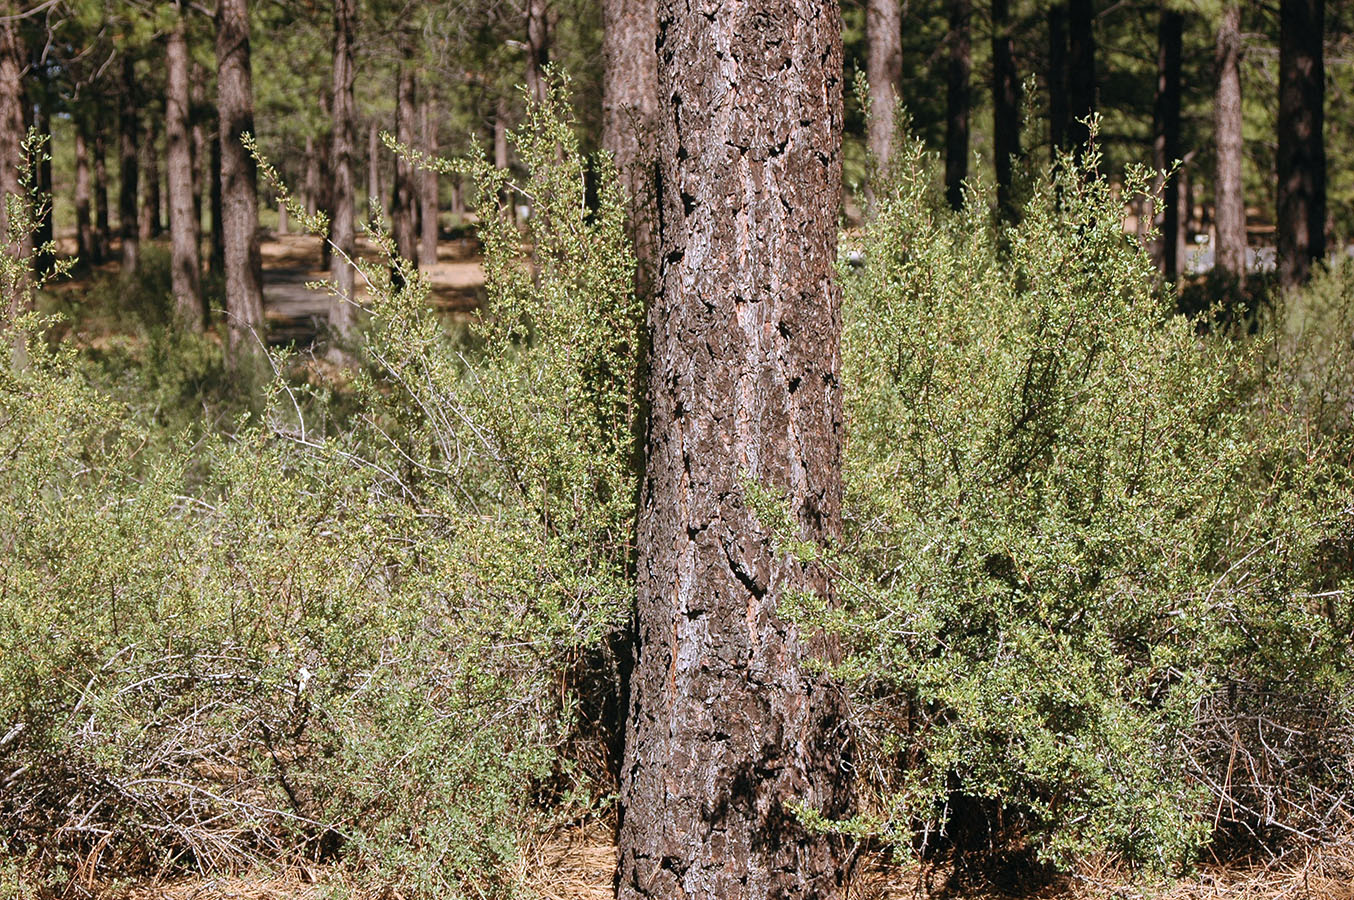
x: 1094, y: 589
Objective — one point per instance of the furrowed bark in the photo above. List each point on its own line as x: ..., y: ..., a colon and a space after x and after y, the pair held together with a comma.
x: 1229, y: 201
x: 185, y: 271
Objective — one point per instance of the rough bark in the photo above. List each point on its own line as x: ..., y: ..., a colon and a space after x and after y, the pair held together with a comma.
x: 1166, y: 144
x: 1057, y: 79
x: 344, y: 199
x: 727, y: 726
x: 538, y: 47
x: 957, y: 101
x: 1081, y: 84
x: 84, y: 229
x: 129, y: 171
x: 1005, y: 106
x: 185, y: 270
x: 1229, y: 197
x: 403, y: 205
x: 429, y: 212
x: 102, y: 231
x: 1302, y: 152
x: 239, y: 179
x: 884, y: 71
x: 629, y: 106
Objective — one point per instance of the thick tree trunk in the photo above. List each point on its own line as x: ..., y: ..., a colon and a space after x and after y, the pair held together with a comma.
x: 538, y: 47
x: 1229, y: 199
x: 629, y: 104
x: 1005, y: 106
x: 429, y: 212
x: 84, y: 229
x: 729, y: 729
x: 185, y: 270
x: 1081, y: 84
x: 403, y: 205
x: 1166, y: 146
x: 1057, y: 79
x: 344, y: 199
x: 1302, y: 150
x: 129, y: 172
x: 957, y: 102
x: 239, y: 180
x: 884, y: 71
x: 102, y: 231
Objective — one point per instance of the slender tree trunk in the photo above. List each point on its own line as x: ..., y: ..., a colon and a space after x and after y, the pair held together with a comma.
x: 429, y: 214
x: 1302, y: 150
x: 185, y: 269
x: 1229, y: 201
x: 1005, y: 106
x: 1167, y: 149
x: 629, y: 105
x: 729, y: 726
x: 402, y: 207
x: 102, y: 231
x: 312, y: 182
x: 197, y: 94
x: 11, y: 153
x: 957, y: 101
x: 344, y: 199
x: 1081, y: 83
x: 151, y: 223
x: 217, y: 211
x: 1057, y: 79
x: 538, y: 47
x: 884, y: 71
x: 324, y: 164
x: 239, y: 179
x: 129, y: 175
x: 457, y: 200
x: 84, y: 231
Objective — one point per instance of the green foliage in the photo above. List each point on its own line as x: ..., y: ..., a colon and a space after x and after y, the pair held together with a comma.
x: 1074, y: 525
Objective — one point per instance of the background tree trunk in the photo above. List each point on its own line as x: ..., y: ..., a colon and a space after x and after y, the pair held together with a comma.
x: 538, y: 47
x: 185, y: 271
x: 884, y: 70
x: 1230, y: 200
x: 1166, y: 144
x: 129, y: 173
x: 374, y: 165
x: 403, y: 205
x: 629, y: 104
x: 1005, y: 106
x: 728, y: 727
x: 150, y: 223
x: 1302, y: 150
x: 217, y: 207
x: 342, y: 225
x: 312, y: 177
x: 11, y: 144
x: 84, y: 230
x: 197, y: 93
x: 429, y: 217
x: 1057, y: 79
x: 239, y: 177
x: 1081, y: 84
x: 102, y: 231
x: 957, y: 102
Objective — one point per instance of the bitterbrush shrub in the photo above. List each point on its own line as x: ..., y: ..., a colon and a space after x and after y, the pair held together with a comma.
x: 1077, y: 528
x: 324, y: 638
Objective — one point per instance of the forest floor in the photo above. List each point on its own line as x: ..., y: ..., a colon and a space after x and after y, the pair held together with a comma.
x: 577, y: 864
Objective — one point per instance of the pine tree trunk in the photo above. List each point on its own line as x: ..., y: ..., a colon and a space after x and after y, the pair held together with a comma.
x: 957, y: 97
x: 129, y: 172
x: 1081, y: 84
x: 538, y: 47
x: 729, y: 728
x: 218, y: 214
x: 197, y: 93
x: 1005, y: 107
x: 884, y: 71
x: 429, y: 212
x: 629, y: 104
x: 84, y: 230
x: 185, y: 270
x: 1166, y: 145
x: 344, y: 199
x: 1230, y: 200
x: 103, y: 232
x: 1302, y: 151
x: 151, y: 224
x: 402, y: 207
x: 1057, y: 80
x: 239, y: 180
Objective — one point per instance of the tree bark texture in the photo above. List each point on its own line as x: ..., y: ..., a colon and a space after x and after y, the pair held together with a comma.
x: 1057, y: 79
x: 342, y: 225
x: 1166, y: 145
x: 403, y: 206
x: 1081, y: 84
x: 957, y: 101
x: 429, y: 217
x: 727, y: 726
x: 185, y: 270
x: 84, y: 228
x: 129, y: 172
x: 538, y: 47
x: 1005, y: 106
x: 884, y: 71
x: 1229, y: 200
x: 1302, y: 151
x: 629, y: 108
x: 239, y: 178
